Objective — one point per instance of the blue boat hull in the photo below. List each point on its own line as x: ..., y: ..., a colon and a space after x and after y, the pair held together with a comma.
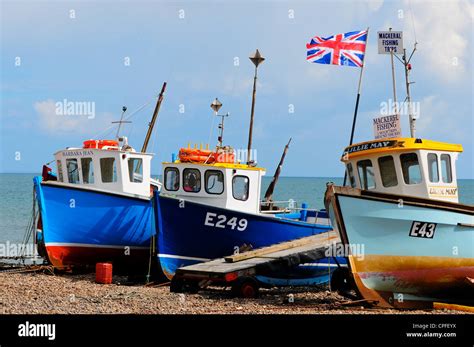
x: 399, y: 265
x: 82, y: 227
x: 193, y: 233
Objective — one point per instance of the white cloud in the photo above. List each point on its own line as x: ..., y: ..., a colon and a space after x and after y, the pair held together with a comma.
x: 52, y: 122
x: 444, y: 32
x: 436, y: 121
x: 375, y: 5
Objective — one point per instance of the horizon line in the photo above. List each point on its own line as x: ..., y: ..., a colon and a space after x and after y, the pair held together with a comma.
x: 39, y: 174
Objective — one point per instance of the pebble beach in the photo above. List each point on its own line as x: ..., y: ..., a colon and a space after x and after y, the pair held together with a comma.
x: 45, y: 293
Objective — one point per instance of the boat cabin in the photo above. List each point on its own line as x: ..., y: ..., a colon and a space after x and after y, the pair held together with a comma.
x: 220, y: 183
x: 106, y: 166
x: 404, y: 166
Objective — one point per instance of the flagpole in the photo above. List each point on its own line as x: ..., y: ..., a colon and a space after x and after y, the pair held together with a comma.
x: 357, y: 102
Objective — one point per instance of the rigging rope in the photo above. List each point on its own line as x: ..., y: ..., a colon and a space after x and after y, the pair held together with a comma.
x: 103, y: 132
x: 413, y: 21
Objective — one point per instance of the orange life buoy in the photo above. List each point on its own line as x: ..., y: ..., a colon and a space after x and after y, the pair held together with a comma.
x: 99, y: 144
x: 195, y: 155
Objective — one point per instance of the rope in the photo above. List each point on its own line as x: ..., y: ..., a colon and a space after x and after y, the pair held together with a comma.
x: 412, y: 20
x: 126, y: 118
x: 29, y: 229
x: 212, y: 128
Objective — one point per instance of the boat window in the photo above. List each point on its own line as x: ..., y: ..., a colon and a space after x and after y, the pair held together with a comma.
x: 214, y: 182
x: 446, y: 173
x: 87, y: 170
x: 59, y: 170
x: 411, y: 168
x: 240, y: 187
x: 191, y: 180
x: 171, y: 179
x: 387, y: 171
x: 366, y: 174
x: 72, y: 171
x: 135, y: 170
x: 350, y: 173
x: 433, y: 167
x: 108, y: 170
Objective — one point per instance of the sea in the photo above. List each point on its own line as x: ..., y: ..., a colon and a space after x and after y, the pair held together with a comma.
x: 16, y: 198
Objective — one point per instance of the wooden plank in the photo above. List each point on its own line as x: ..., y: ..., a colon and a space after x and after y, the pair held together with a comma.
x: 442, y: 305
x: 221, y: 267
x: 315, y: 239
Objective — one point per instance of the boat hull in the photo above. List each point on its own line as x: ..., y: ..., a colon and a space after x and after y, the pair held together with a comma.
x: 190, y: 232
x: 83, y: 227
x: 397, y: 268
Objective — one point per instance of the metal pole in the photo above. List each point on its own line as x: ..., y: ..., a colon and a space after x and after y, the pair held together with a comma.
x: 222, y: 131
x: 153, y: 119
x: 221, y: 137
x: 124, y: 109
x: 356, y: 107
x: 393, y: 80
x: 271, y: 187
x: 249, y: 146
x: 407, y: 82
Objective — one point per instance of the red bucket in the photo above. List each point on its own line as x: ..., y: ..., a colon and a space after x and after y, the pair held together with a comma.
x: 103, y: 273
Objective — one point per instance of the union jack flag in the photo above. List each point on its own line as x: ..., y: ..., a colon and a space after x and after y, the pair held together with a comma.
x: 341, y: 49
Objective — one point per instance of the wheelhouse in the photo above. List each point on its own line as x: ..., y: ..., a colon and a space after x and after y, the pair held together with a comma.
x: 226, y: 185
x: 108, y: 168
x: 404, y: 166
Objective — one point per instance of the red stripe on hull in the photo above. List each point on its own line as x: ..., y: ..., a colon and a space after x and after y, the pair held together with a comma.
x: 66, y: 257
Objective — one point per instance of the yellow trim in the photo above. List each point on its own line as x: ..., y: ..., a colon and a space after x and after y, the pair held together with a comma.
x: 221, y: 165
x: 402, y: 144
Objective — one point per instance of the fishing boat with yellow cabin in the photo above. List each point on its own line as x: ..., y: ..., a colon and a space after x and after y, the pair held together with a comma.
x: 402, y: 209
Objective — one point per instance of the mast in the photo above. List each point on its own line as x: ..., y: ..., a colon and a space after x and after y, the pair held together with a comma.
x: 220, y: 138
x: 393, y: 81
x: 153, y: 119
x: 257, y: 59
x: 271, y: 187
x: 354, y: 119
x: 121, y: 121
x: 407, y: 66
x: 216, y: 105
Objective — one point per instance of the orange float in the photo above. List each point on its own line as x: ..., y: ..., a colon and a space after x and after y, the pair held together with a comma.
x: 99, y: 144
x: 194, y: 155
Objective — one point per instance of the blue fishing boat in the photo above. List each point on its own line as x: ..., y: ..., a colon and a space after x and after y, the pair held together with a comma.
x: 210, y: 207
x: 99, y: 205
x: 211, y: 210
x: 418, y: 241
x: 402, y: 210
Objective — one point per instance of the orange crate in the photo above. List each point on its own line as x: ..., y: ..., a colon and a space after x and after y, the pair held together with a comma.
x: 103, y: 273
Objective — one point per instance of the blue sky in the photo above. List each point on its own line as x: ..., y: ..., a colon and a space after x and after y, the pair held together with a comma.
x: 194, y: 46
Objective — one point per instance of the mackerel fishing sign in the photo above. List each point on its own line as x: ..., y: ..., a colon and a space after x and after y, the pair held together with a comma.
x: 390, y: 42
x: 387, y: 127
